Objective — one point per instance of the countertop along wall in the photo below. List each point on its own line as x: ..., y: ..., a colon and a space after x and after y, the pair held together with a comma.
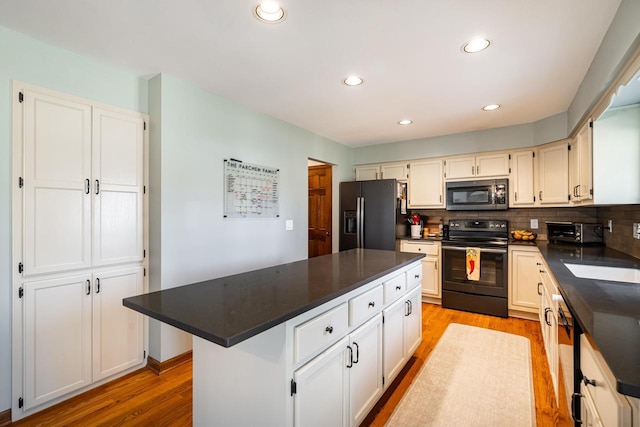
x: 31, y: 61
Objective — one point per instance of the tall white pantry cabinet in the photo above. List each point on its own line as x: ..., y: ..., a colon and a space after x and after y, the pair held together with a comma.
x: 79, y: 233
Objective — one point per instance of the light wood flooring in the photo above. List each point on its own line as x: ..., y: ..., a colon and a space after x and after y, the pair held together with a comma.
x: 146, y: 399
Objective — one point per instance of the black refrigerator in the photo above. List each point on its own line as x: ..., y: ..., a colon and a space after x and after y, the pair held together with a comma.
x: 368, y: 214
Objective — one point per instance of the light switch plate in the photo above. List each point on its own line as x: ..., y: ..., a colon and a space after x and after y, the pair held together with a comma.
x: 636, y: 230
x: 288, y: 224
x: 610, y: 225
x: 534, y: 224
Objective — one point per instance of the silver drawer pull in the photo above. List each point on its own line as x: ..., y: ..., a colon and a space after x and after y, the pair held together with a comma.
x: 329, y: 329
x: 417, y: 276
x: 398, y: 288
x: 372, y: 304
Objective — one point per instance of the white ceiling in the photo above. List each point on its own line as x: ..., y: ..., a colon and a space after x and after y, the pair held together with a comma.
x: 407, y: 51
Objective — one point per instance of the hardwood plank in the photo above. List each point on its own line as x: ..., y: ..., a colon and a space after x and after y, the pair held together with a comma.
x: 143, y: 398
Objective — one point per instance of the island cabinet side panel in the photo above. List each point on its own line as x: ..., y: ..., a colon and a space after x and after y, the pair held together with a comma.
x: 245, y: 384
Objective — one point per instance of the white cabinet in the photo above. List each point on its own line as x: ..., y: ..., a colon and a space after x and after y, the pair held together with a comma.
x: 425, y: 186
x: 601, y: 403
x: 322, y: 385
x: 524, y: 266
x: 77, y: 332
x: 342, y: 384
x: 431, y: 276
x: 78, y: 244
x: 479, y: 166
x: 522, y: 186
x: 382, y: 171
x: 548, y: 314
x: 394, y: 357
x: 553, y: 176
x: 82, y: 164
x: 412, y: 322
x: 581, y: 166
x: 365, y: 388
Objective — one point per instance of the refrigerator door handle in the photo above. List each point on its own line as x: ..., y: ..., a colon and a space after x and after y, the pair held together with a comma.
x: 361, y: 244
x: 358, y: 221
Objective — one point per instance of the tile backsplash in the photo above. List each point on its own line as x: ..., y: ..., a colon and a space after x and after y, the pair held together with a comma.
x: 623, y: 217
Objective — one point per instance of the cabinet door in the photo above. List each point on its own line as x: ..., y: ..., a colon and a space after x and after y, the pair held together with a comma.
x: 523, y: 289
x: 57, y: 338
x: 117, y: 330
x: 425, y: 186
x: 394, y: 357
x: 322, y: 386
x: 118, y: 185
x: 394, y: 171
x: 57, y: 170
x: 431, y: 277
x: 460, y: 167
x: 496, y: 164
x: 580, y: 165
x: 413, y: 322
x: 522, y: 185
x: 365, y: 375
x: 367, y: 173
x: 553, y: 165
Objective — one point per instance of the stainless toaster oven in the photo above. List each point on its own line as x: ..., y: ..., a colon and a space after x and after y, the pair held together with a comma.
x: 579, y: 233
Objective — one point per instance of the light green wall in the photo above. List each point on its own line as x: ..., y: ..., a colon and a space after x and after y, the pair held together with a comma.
x: 30, y: 61
x: 197, y: 132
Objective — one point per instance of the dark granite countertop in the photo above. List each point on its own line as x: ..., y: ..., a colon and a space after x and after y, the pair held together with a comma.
x: 231, y: 309
x: 609, y: 312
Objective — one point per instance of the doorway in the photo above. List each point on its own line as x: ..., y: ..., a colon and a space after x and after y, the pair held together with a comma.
x: 320, y: 208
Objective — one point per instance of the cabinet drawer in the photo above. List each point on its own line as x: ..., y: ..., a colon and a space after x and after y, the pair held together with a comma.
x: 320, y: 332
x: 414, y: 277
x: 394, y: 288
x: 365, y: 306
x: 613, y: 408
x: 428, y: 248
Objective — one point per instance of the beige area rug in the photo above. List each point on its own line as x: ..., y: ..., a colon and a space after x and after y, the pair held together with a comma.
x: 473, y: 377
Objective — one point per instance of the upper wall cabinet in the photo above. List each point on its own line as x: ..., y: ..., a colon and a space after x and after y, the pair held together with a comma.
x: 426, y: 184
x: 522, y: 186
x: 83, y: 185
x: 480, y: 166
x: 553, y: 173
x: 382, y: 171
x: 580, y: 165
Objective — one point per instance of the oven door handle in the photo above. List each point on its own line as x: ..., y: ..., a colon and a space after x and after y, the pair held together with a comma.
x: 491, y: 251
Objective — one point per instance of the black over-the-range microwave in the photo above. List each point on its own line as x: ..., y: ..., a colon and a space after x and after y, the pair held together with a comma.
x: 485, y: 194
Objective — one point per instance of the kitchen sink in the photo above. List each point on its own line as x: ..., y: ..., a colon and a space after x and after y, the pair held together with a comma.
x: 599, y: 272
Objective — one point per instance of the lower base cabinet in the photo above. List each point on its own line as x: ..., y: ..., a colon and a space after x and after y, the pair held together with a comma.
x: 76, y: 332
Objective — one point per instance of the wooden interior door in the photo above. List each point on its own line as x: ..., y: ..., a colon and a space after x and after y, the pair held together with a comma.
x: 319, y: 210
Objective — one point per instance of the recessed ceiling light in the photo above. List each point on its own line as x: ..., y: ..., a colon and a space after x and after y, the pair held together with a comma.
x: 353, y: 81
x: 405, y: 122
x: 269, y: 11
x: 491, y: 107
x: 475, y: 45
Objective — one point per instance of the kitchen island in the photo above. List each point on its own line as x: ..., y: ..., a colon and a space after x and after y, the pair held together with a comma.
x: 262, y: 339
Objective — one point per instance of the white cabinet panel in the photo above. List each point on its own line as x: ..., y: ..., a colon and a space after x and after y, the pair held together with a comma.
x: 57, y: 338
x: 320, y: 331
x: 118, y: 182
x: 553, y: 165
x: 364, y: 306
x: 394, y: 171
x: 479, y: 166
x: 394, y: 349
x: 365, y: 376
x: 413, y: 322
x: 431, y: 277
x: 117, y: 330
x: 367, y: 173
x: 522, y: 184
x: 461, y: 167
x: 524, y: 267
x: 57, y: 169
x: 581, y: 165
x: 322, y: 389
x: 425, y: 186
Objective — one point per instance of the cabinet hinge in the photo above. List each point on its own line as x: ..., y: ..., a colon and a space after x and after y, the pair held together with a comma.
x: 294, y: 387
x: 144, y: 189
x: 534, y: 198
x: 20, y: 182
x: 591, y: 191
x: 569, y: 197
x: 144, y: 354
x: 509, y: 170
x: 590, y: 123
x: 145, y: 272
x: 408, y: 166
x: 144, y: 253
x: 144, y: 127
x: 20, y: 267
x: 20, y: 402
x: 509, y: 156
x: 569, y: 147
x: 21, y: 100
x: 20, y: 292
x: 383, y: 380
x: 533, y: 153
